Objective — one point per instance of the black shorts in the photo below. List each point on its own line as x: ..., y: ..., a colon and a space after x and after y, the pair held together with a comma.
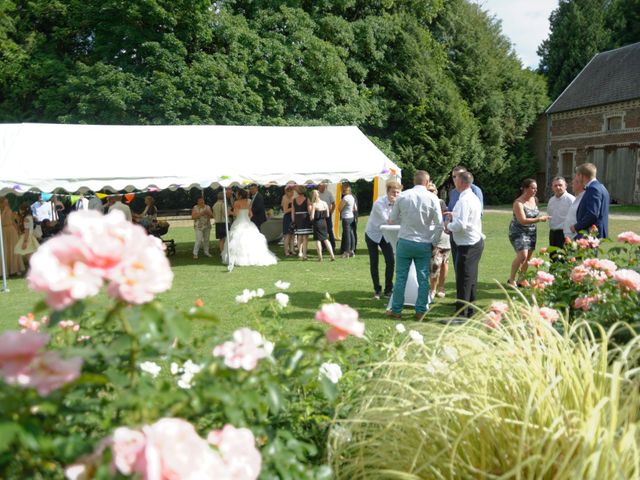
x: 221, y: 231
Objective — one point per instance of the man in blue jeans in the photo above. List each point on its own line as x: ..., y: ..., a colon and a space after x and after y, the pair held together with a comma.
x: 418, y: 213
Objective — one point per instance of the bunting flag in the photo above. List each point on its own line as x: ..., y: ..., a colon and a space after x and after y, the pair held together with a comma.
x: 74, y: 199
x: 101, y: 195
x: 128, y: 197
x: 46, y: 196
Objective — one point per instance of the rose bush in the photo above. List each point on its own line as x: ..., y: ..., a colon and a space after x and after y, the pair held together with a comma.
x: 590, y: 279
x: 91, y: 392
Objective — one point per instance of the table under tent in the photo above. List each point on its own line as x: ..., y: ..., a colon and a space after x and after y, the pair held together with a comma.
x: 77, y: 158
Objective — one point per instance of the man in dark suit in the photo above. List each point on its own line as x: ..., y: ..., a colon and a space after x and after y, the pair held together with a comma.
x: 594, y: 206
x: 257, y: 206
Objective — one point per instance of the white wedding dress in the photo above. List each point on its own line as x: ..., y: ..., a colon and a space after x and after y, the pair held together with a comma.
x: 246, y: 245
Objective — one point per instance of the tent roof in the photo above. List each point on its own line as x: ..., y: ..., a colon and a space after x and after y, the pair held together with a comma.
x: 46, y: 157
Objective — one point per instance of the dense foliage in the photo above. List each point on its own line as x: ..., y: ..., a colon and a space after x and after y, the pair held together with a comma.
x: 579, y: 30
x: 433, y: 83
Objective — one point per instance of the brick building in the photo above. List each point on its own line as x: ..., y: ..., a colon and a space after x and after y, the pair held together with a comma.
x: 597, y: 119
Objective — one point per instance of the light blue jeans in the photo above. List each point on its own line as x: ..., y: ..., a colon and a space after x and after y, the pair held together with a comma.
x: 407, y: 252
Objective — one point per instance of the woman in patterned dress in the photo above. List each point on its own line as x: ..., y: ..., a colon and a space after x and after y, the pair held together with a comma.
x: 523, y: 229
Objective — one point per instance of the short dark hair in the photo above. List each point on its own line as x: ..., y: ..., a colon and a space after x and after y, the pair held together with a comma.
x: 421, y: 177
x: 557, y: 178
x: 465, y: 177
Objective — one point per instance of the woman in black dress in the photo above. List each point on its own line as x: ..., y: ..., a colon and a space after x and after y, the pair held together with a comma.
x: 287, y: 219
x: 300, y: 215
x: 319, y: 214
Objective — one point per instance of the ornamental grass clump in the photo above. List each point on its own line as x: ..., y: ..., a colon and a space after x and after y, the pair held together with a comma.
x: 504, y: 396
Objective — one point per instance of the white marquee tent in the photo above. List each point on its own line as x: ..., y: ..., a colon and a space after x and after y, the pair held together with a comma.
x: 46, y: 157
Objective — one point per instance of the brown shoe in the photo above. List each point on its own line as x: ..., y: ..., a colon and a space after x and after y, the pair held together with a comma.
x: 419, y: 316
x: 391, y: 314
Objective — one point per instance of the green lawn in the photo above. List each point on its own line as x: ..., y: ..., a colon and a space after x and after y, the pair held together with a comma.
x: 347, y: 280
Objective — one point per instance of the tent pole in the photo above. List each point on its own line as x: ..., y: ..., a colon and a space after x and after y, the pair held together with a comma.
x: 226, y: 227
x: 4, y: 288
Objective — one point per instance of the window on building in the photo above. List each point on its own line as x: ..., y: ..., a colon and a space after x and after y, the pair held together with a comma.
x: 614, y: 123
x: 566, y: 164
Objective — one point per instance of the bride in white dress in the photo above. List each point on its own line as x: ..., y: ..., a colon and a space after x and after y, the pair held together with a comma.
x: 246, y: 245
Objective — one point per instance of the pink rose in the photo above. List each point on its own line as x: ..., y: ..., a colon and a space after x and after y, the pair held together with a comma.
x: 247, y: 347
x: 549, y: 314
x: 629, y: 237
x: 17, y: 350
x: 584, y: 303
x: 578, y: 274
x: 588, y: 242
x: 607, y: 266
x: 343, y: 320
x: 175, y: 451
x: 499, y: 307
x: 95, y: 248
x: 142, y: 273
x: 58, y: 269
x: 536, y: 262
x: 542, y: 280
x: 493, y: 319
x: 628, y: 279
x: 48, y: 372
x: 28, y: 322
x: 543, y: 250
x: 128, y: 451
x: 238, y: 451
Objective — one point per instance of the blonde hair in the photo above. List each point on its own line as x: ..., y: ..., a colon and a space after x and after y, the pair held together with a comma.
x: 392, y: 184
x: 587, y: 170
x: 315, y: 196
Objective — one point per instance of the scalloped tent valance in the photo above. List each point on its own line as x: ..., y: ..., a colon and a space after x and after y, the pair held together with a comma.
x: 47, y: 157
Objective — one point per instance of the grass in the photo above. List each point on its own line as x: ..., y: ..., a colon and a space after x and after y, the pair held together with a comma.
x: 346, y: 280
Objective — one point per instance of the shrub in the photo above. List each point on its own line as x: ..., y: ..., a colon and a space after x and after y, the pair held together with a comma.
x: 95, y: 391
x: 590, y: 282
x: 504, y: 396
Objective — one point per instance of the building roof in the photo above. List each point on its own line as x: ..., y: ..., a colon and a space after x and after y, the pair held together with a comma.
x: 609, y: 77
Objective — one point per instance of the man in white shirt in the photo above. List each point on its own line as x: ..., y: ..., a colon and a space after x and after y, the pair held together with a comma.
x: 43, y: 210
x: 373, y: 236
x: 118, y: 205
x: 417, y: 211
x: 578, y: 189
x: 557, y: 209
x: 327, y: 196
x: 465, y: 226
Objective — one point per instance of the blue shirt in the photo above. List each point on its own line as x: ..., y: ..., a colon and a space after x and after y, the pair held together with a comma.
x: 454, y: 195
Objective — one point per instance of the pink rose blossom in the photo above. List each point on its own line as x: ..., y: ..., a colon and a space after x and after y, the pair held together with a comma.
x: 343, y: 320
x: 543, y: 250
x: 175, y: 451
x: 499, y: 307
x: 542, y: 280
x: 58, y: 269
x: 607, y: 266
x: 143, y: 272
x: 493, y: 319
x: 584, y: 303
x: 28, y: 322
x: 69, y: 325
x: 95, y: 248
x: 536, y: 262
x: 247, y: 347
x: 17, y: 350
x: 588, y: 242
x: 629, y: 237
x: 128, y: 451
x: 579, y: 273
x: 628, y: 279
x: 238, y: 451
x: 48, y: 372
x: 549, y: 314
